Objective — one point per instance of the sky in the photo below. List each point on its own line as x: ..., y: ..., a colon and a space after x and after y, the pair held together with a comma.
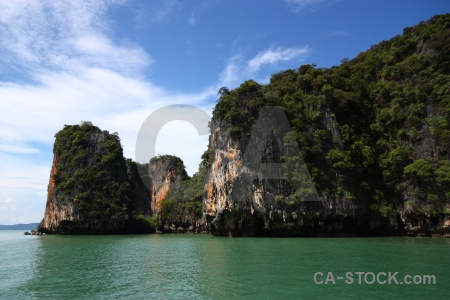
x: 114, y: 62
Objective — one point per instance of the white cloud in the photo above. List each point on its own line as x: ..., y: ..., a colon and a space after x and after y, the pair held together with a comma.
x: 272, y: 56
x: 23, y: 187
x: 64, y: 36
x: 18, y: 149
x: 8, y: 200
x: 238, y: 69
x: 200, y: 8
x: 192, y: 20
x: 233, y: 71
x: 35, y: 113
x: 190, y: 48
x: 180, y: 138
x: 296, y: 6
x: 339, y: 32
x: 97, y: 50
x: 23, y: 172
x: 164, y: 12
x: 235, y: 43
x: 21, y: 205
x: 150, y: 12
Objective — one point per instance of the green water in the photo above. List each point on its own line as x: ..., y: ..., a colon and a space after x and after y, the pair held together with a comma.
x: 207, y: 267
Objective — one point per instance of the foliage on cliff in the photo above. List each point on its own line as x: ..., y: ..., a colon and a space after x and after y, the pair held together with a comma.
x: 183, y: 204
x: 91, y: 171
x: 138, y: 176
x: 174, y: 163
x: 375, y: 129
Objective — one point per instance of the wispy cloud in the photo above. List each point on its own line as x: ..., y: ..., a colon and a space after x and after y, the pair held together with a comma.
x: 200, y: 8
x: 63, y: 36
x: 296, y: 6
x: 272, y: 56
x: 260, y: 66
x: 339, y: 32
x: 162, y: 13
x: 233, y: 71
x: 190, y: 48
x: 192, y: 19
x: 7, y: 200
x: 154, y: 12
x: 235, y: 43
x: 16, y: 149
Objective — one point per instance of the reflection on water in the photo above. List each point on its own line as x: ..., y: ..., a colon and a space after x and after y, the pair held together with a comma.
x: 206, y: 267
x: 118, y: 266
x: 17, y: 262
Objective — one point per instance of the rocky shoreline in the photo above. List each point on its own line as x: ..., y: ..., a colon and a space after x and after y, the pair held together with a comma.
x: 33, y: 232
x: 332, y: 227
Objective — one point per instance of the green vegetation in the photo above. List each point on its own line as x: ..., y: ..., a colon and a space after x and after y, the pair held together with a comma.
x: 174, y: 162
x: 91, y: 170
x: 141, y: 224
x: 184, y: 204
x: 369, y: 129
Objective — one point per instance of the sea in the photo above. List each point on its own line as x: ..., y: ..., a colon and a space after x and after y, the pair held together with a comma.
x: 200, y: 266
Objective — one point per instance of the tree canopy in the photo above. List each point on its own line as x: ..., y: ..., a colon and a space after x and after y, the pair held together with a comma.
x: 370, y: 129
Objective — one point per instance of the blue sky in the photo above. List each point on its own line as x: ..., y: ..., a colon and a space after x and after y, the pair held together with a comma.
x: 115, y: 62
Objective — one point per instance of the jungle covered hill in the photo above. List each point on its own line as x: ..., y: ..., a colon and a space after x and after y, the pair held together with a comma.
x: 373, y: 131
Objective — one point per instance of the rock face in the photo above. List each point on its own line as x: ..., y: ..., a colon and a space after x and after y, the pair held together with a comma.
x: 33, y: 232
x: 90, y: 189
x: 229, y: 199
x: 176, y: 198
x: 56, y: 211
x: 93, y: 189
x: 165, y: 172
x: 241, y: 201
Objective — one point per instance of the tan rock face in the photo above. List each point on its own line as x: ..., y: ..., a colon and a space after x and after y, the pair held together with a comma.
x: 159, y: 191
x: 56, y: 210
x: 232, y: 191
x: 447, y: 223
x: 221, y: 190
x: 164, y: 175
x: 225, y: 169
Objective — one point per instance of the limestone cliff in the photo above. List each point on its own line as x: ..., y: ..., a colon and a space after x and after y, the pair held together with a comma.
x: 90, y: 189
x: 93, y: 189
x: 176, y: 198
x: 165, y: 172
x: 55, y: 211
x: 241, y: 201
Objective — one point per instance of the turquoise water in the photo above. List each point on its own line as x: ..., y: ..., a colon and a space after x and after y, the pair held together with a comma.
x: 207, y: 267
